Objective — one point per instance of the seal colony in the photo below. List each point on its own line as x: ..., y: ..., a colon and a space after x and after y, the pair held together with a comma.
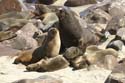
x: 72, y: 39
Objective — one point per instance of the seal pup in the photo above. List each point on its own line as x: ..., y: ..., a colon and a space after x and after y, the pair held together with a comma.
x: 51, y: 64
x: 94, y: 56
x: 50, y: 48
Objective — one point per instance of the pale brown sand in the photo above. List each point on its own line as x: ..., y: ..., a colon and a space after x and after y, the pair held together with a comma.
x: 10, y: 72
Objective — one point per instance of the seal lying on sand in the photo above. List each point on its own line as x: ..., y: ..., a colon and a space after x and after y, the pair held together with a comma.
x: 52, y: 64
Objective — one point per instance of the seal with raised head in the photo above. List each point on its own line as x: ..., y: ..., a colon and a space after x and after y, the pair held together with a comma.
x: 50, y: 48
x: 74, y: 31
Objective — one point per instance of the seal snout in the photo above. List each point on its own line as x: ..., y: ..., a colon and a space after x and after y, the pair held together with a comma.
x: 16, y: 61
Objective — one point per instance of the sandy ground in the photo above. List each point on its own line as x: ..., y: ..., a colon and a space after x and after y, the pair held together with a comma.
x: 10, y: 72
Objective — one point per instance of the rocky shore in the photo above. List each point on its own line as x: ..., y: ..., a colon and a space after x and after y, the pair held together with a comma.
x: 62, y: 41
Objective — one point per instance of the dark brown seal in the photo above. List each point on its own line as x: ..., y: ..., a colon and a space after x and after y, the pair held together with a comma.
x: 74, y: 31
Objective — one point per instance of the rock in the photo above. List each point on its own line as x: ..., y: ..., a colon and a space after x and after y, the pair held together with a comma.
x: 120, y: 33
x: 17, y: 15
x: 119, y: 68
x: 113, y: 11
x: 24, y: 39
x: 5, y: 6
x: 73, y: 3
x: 115, y: 23
x: 116, y: 44
x: 7, y: 51
x: 29, y: 29
x: 114, y: 80
x: 23, y: 42
x: 41, y: 79
x: 117, y: 6
x: 52, y: 64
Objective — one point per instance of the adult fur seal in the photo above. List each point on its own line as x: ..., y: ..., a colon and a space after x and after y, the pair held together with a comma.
x: 74, y: 30
x: 50, y: 48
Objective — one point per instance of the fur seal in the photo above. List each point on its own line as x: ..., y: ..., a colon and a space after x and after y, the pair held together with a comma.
x: 5, y: 35
x: 72, y: 53
x: 79, y: 62
x: 50, y: 48
x: 24, y: 57
x: 99, y: 55
x: 73, y: 3
x: 74, y: 31
x: 52, y: 64
x: 75, y: 56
